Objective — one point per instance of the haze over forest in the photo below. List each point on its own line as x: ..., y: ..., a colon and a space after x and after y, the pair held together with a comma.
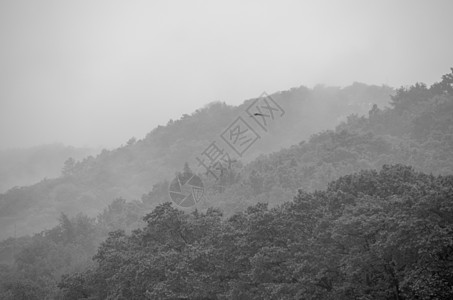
x: 140, y: 158
x: 96, y: 73
x: 367, y: 199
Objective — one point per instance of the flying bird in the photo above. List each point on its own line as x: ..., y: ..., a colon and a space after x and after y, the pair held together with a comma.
x: 259, y: 114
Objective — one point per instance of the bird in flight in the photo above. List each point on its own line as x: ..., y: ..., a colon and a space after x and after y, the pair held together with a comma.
x: 259, y: 114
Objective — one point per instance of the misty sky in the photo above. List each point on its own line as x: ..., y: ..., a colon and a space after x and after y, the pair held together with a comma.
x: 96, y: 73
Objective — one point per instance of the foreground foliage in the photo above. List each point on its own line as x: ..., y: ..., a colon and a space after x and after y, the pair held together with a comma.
x: 370, y: 235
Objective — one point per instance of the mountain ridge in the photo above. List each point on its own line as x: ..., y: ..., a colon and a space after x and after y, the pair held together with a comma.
x: 131, y: 170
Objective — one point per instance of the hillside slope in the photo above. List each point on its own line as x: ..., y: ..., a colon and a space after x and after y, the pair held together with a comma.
x: 26, y: 166
x: 370, y: 235
x: 131, y: 170
x: 416, y: 130
x: 338, y: 230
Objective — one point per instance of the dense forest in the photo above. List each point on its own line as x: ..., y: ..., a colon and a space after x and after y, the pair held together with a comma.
x: 88, y: 185
x: 364, y: 211
x: 371, y: 235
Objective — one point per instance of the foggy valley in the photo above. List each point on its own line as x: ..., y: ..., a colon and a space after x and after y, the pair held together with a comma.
x: 255, y: 150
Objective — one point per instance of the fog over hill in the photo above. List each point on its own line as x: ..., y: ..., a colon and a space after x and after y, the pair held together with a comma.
x: 26, y: 166
x: 89, y: 184
x: 370, y: 198
x: 226, y: 150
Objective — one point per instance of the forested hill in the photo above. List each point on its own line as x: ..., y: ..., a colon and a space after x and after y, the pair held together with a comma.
x: 416, y: 130
x: 131, y: 170
x: 360, y: 212
x: 26, y: 166
x: 370, y: 235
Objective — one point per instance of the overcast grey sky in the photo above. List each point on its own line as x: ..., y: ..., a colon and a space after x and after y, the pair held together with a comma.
x: 92, y: 73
